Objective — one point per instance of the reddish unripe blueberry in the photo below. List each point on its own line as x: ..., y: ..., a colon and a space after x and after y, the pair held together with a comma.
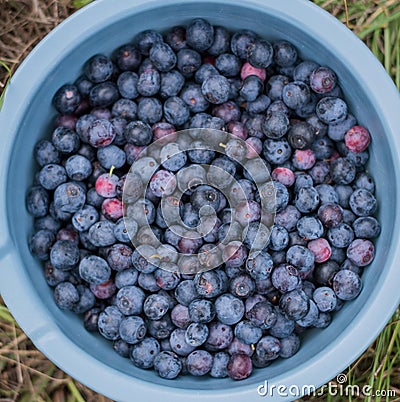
x: 248, y: 69
x: 321, y: 249
x: 304, y: 159
x: 112, y: 209
x: 254, y: 147
x: 164, y: 132
x: 237, y: 129
x: 357, y: 139
x: 106, y: 185
x: 240, y: 366
x: 104, y: 290
x: 284, y: 176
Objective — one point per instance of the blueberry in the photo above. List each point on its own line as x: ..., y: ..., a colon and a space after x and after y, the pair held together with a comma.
x: 130, y: 300
x: 303, y: 71
x: 216, y: 89
x: 289, y: 346
x: 101, y: 234
x: 67, y: 99
x: 103, y: 94
x: 229, y: 309
x: 341, y: 236
x: 196, y: 334
x: 128, y: 57
x: 260, y: 56
x: 331, y: 110
x: 127, y: 84
x: 228, y: 65
x: 40, y: 244
x: 327, y: 194
x: 221, y: 42
x: 144, y: 353
x: 167, y: 365
x: 100, y: 133
x: 251, y: 88
x: 242, y: 286
x: 132, y: 329
x: 47, y: 223
x: 301, y: 258
x: 94, y: 270
x: 275, y: 125
x: 276, y: 151
x: 65, y: 140
x: 247, y: 332
x: 260, y: 265
x: 146, y: 39
x: 162, y: 56
x: 176, y: 38
x: 86, y: 300
x: 109, y: 321
x: 124, y: 108
x: 64, y: 254
x: 188, y: 61
x: 279, y: 238
x: 200, y: 34
x: 84, y: 218
x: 203, y: 72
x: 121, y: 347
x: 149, y: 82
x: 175, y: 111
x: 310, y: 318
x: 362, y: 202
x: 46, y: 153
x: 126, y: 277
x: 346, y: 284
x: 283, y: 326
x: 310, y: 227
x: 179, y: 344
x: 155, y: 306
x: 361, y: 252
x: 296, y: 94
x: 220, y: 336
x: 186, y: 292
x: 199, y: 362
x: 219, y: 367
x: 138, y: 133
x: 194, y: 99
x: 325, y: 298
x: 262, y: 315
x: 267, y: 349
x: 66, y: 295
x: 324, y: 273
x: 242, y: 42
x: 366, y: 227
x: 322, y: 80
x: 307, y: 200
x: 295, y: 304
x: 160, y: 329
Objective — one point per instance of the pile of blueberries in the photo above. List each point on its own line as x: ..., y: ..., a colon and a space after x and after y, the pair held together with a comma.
x: 253, y: 308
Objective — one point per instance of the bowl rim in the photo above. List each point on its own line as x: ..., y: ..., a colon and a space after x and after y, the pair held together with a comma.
x: 35, y: 319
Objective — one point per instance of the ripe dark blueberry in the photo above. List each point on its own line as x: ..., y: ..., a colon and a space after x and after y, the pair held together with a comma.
x: 301, y: 135
x: 67, y: 99
x: 127, y: 84
x: 277, y: 151
x: 343, y: 171
x: 128, y: 57
x: 149, y: 82
x: 144, y: 353
x: 146, y: 39
x: 228, y: 65
x: 219, y: 367
x: 175, y: 111
x: 296, y: 94
x: 220, y: 43
x: 289, y: 346
x: 193, y: 98
x: 162, y: 56
x: 346, y: 284
x: 51, y: 176
x: 203, y: 72
x: 167, y: 365
x: 310, y: 318
x: 331, y: 110
x: 260, y: 56
x: 196, y: 334
x: 242, y: 43
x: 325, y: 298
x: 69, y: 197
x: 101, y: 234
x: 103, y: 94
x: 362, y: 202
x: 98, y: 68
x: 66, y: 295
x: 124, y: 108
x: 322, y: 80
x: 138, y: 133
x: 295, y: 304
x: 216, y: 89
x: 132, y: 329
x: 176, y: 38
x: 251, y: 88
x: 275, y: 125
x: 94, y: 270
x: 285, y: 278
x: 65, y: 140
x: 307, y: 200
x: 200, y: 34
x: 310, y: 227
x: 366, y: 227
x: 303, y: 71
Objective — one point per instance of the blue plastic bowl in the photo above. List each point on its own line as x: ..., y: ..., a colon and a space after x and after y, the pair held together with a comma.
x: 27, y: 116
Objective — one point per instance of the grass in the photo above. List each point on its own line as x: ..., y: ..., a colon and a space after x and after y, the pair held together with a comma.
x: 25, y: 374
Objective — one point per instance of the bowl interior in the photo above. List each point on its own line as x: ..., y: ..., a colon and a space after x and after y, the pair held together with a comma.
x: 37, y: 120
